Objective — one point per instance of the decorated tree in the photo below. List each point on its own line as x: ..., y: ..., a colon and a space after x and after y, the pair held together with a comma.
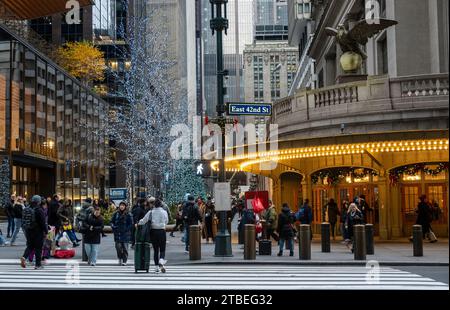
x: 5, y: 180
x: 82, y: 60
x: 184, y: 179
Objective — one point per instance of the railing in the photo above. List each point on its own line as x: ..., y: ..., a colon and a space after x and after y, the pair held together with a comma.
x: 335, y: 95
x: 37, y: 148
x: 425, y: 85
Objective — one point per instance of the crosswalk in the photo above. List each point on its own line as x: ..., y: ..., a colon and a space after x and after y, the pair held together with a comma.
x: 231, y: 277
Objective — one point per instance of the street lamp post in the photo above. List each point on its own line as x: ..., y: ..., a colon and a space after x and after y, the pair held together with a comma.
x: 219, y: 23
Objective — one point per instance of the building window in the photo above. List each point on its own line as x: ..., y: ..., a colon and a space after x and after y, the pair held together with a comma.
x: 291, y: 69
x: 275, y: 77
x: 258, y: 78
x: 382, y: 59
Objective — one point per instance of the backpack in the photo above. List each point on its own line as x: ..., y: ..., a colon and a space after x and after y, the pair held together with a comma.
x: 82, y: 218
x: 300, y: 216
x: 28, y: 218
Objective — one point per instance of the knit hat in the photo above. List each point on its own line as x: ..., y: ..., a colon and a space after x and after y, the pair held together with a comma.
x: 191, y: 198
x: 36, y: 199
x: 152, y: 199
x: 123, y: 203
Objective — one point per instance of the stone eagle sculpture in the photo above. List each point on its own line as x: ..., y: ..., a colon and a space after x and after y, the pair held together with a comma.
x: 351, y: 40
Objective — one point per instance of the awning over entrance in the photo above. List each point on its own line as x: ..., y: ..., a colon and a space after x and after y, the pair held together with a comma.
x: 29, y: 9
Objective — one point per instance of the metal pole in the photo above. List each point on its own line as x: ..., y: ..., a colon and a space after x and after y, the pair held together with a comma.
x: 305, y: 242
x: 325, y: 230
x: 369, y: 239
x: 417, y: 240
x: 359, y: 243
x: 219, y: 24
x: 195, y: 252
x: 250, y: 242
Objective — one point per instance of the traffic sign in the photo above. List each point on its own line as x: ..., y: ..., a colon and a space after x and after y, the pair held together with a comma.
x: 242, y: 108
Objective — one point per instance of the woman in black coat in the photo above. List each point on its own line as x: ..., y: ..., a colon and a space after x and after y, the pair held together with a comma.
x: 285, y: 229
x: 93, y: 236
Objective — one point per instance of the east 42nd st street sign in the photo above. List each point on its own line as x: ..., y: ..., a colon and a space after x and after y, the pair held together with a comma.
x: 257, y: 109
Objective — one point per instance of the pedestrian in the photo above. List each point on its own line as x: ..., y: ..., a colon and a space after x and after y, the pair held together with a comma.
x: 270, y: 216
x: 159, y: 219
x: 330, y: 213
x: 364, y: 207
x: 354, y: 217
x: 17, y: 214
x: 285, y: 229
x: 121, y: 224
x: 424, y: 218
x: 53, y: 207
x: 36, y: 229
x: 209, y: 216
x: 138, y: 212
x: 3, y: 241
x: 179, y: 219
x: 10, y: 215
x: 436, y: 210
x: 92, y: 237
x: 65, y: 213
x: 191, y: 216
x: 304, y: 215
x: 344, y: 208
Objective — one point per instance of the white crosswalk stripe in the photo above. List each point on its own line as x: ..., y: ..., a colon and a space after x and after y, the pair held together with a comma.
x: 251, y: 277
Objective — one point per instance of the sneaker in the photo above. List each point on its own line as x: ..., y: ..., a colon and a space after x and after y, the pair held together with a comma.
x: 157, y: 269
x: 291, y: 254
x: 39, y: 267
x: 280, y: 254
x: 124, y: 263
x: 23, y: 262
x: 433, y: 241
x: 92, y: 264
x: 186, y: 252
x: 162, y: 261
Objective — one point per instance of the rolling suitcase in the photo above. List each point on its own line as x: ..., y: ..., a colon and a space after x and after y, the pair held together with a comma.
x: 265, y: 247
x: 142, y: 249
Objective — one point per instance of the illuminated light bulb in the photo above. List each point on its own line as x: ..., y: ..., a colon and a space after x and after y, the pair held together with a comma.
x: 440, y: 147
x: 417, y: 143
x: 435, y: 142
x: 429, y: 142
x: 376, y: 150
x: 392, y: 149
x: 384, y: 144
x: 403, y: 149
x: 389, y: 145
x: 401, y: 144
x: 413, y: 148
x: 423, y: 142
x: 435, y: 147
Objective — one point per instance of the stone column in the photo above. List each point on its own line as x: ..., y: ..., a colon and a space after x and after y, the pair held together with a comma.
x: 306, y: 188
x: 395, y: 211
x: 383, y: 205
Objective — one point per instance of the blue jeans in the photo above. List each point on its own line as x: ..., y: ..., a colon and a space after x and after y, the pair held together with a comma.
x: 2, y: 240
x: 10, y: 228
x: 18, y: 225
x: 92, y: 252
x: 290, y: 241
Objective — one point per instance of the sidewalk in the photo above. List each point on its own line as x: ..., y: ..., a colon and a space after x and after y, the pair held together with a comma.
x: 392, y: 252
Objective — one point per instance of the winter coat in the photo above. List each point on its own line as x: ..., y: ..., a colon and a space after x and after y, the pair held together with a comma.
x: 332, y: 210
x: 17, y: 211
x: 95, y: 235
x: 248, y: 217
x: 40, y: 226
x: 424, y: 214
x: 285, y: 221
x: 53, y: 218
x: 270, y: 215
x: 138, y: 212
x: 65, y: 214
x: 121, y: 224
x: 9, y: 208
x: 191, y: 214
x: 364, y: 207
x: 160, y: 218
x: 307, y: 211
x: 209, y: 212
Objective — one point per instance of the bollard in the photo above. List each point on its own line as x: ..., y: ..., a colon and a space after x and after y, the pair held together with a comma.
x: 325, y: 230
x: 84, y: 256
x: 417, y: 240
x: 194, y: 242
x: 249, y: 242
x: 304, y: 240
x: 359, y: 243
x: 369, y: 240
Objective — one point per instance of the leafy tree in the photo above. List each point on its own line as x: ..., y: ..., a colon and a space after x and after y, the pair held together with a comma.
x: 82, y: 60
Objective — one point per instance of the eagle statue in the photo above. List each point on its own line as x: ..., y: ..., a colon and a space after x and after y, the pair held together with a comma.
x: 351, y: 40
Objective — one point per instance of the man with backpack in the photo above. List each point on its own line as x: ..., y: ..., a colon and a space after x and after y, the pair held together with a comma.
x: 270, y: 216
x: 191, y: 216
x: 35, y: 228
x: 304, y: 214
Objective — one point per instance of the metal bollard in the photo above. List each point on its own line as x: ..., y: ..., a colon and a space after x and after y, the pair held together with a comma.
x: 195, y: 252
x: 370, y: 249
x: 359, y: 244
x: 325, y: 230
x: 84, y: 256
x: 249, y: 242
x: 417, y: 240
x: 304, y: 242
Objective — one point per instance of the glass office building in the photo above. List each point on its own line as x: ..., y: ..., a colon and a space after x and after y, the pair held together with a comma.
x: 50, y: 126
